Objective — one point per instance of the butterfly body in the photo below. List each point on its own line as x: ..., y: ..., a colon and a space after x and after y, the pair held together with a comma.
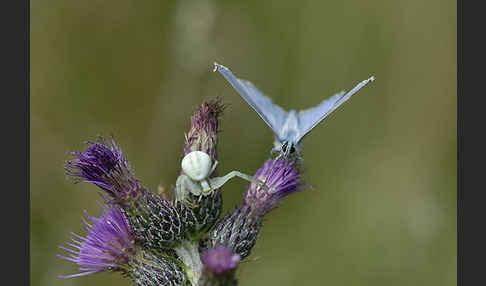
x: 288, y: 127
x: 287, y: 137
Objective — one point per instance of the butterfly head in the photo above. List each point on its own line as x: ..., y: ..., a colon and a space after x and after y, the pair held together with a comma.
x: 286, y: 149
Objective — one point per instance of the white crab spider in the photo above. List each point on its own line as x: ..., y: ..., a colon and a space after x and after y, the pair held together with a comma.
x: 196, y: 168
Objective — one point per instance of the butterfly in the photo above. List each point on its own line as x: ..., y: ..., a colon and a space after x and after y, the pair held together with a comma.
x: 289, y: 127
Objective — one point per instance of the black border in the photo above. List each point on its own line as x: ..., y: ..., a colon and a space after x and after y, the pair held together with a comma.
x: 27, y: 134
x: 15, y: 119
x: 471, y: 202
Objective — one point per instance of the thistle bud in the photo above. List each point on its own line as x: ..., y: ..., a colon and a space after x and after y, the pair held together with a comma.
x: 202, y: 136
x: 220, y: 264
x: 220, y: 260
x: 238, y: 230
x: 150, y: 269
x: 156, y: 222
x: 204, y: 128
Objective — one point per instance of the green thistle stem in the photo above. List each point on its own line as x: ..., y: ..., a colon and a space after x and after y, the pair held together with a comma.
x: 188, y: 253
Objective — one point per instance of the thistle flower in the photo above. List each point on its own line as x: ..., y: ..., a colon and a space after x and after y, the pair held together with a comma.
x: 281, y: 177
x: 202, y: 136
x: 219, y: 267
x: 108, y: 245
x: 155, y: 221
x: 151, y: 269
x: 103, y: 164
x: 220, y: 260
x: 239, y: 229
x: 156, y: 241
x: 204, y: 128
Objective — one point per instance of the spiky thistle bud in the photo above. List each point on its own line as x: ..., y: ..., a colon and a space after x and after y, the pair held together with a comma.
x: 151, y: 269
x: 204, y: 128
x: 239, y: 229
x: 202, y: 136
x: 109, y: 245
x: 156, y: 222
x: 220, y: 260
x: 220, y: 264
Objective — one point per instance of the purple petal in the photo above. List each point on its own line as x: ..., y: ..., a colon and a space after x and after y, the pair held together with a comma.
x: 107, y: 244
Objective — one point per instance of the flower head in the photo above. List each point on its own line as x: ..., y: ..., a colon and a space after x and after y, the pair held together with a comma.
x: 220, y: 260
x: 204, y: 127
x: 281, y: 178
x: 107, y: 246
x: 239, y: 230
x: 104, y: 165
x: 152, y: 269
x: 156, y: 223
x: 202, y: 136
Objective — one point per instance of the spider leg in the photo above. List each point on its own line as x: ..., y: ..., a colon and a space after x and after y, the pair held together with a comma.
x: 181, y: 190
x: 217, y: 182
x: 214, y: 167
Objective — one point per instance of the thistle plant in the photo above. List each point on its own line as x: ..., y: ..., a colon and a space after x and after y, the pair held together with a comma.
x: 181, y: 239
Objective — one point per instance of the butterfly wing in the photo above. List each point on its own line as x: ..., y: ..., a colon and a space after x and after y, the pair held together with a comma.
x: 309, y: 118
x: 272, y: 114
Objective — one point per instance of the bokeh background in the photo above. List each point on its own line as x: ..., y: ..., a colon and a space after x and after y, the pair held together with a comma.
x: 383, y: 211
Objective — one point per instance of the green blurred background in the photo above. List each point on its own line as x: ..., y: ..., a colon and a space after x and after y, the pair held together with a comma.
x: 383, y: 211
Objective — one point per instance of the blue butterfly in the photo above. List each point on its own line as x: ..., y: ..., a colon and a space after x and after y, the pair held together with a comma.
x: 289, y: 127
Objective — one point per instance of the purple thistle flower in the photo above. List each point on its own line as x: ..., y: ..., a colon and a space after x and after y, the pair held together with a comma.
x: 104, y: 165
x: 281, y: 178
x: 220, y: 260
x: 107, y: 246
x: 204, y: 128
x: 154, y: 221
x: 239, y: 229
